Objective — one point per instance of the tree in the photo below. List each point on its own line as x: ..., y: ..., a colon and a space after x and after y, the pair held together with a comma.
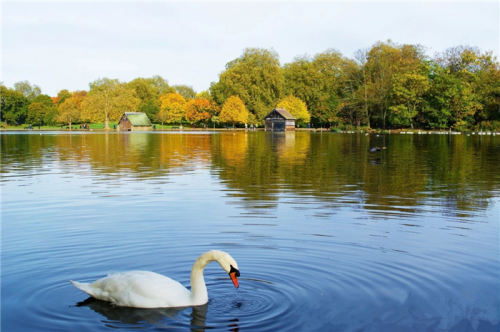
x: 186, y: 91
x: 28, y: 90
x: 297, y: 108
x: 410, y: 83
x: 381, y: 65
x: 201, y: 110
x: 355, y: 107
x: 204, y: 94
x: 234, y: 111
x: 172, y: 108
x: 471, y: 93
x: 62, y: 96
x: 14, y: 106
x: 107, y: 100
x: 71, y: 109
x: 161, y: 85
x: 39, y: 108
x: 146, y: 90
x: 255, y: 77
x: 317, y: 81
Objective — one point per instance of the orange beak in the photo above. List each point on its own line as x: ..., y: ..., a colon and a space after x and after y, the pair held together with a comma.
x: 234, y: 279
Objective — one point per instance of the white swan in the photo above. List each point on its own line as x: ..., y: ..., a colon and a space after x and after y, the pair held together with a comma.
x: 144, y: 289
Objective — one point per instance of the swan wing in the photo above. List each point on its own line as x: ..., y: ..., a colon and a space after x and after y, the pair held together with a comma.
x: 139, y: 289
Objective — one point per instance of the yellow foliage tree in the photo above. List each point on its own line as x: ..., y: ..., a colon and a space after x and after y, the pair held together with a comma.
x: 71, y: 109
x: 107, y: 100
x: 297, y: 108
x: 234, y: 111
x: 172, y: 108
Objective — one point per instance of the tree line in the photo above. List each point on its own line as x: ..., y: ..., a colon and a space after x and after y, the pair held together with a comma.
x: 388, y: 85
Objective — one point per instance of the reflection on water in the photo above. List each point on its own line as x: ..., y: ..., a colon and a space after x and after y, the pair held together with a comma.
x: 117, y: 316
x: 259, y: 166
x: 328, y: 235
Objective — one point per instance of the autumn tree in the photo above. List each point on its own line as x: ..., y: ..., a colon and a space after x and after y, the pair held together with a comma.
x: 71, y: 109
x: 62, y: 96
x: 234, y: 111
x: 201, y: 110
x: 297, y: 108
x: 255, y: 77
x: 107, y: 100
x: 172, y: 109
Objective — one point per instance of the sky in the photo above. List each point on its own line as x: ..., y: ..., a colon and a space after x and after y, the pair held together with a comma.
x: 67, y: 45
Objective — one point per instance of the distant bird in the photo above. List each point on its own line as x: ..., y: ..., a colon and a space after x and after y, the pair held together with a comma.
x: 374, y: 149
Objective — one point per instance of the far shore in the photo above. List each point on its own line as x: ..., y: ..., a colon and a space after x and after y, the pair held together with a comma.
x: 190, y: 129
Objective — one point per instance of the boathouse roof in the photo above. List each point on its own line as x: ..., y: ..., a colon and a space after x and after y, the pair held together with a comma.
x: 283, y: 112
x: 138, y: 118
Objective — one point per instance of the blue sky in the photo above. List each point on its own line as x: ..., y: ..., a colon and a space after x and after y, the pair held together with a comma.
x: 67, y: 45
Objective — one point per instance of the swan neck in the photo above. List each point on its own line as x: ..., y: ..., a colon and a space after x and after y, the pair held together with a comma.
x: 199, y: 294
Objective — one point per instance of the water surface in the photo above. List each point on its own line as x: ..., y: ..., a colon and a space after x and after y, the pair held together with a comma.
x: 328, y: 236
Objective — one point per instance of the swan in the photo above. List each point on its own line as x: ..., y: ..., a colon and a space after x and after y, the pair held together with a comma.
x: 144, y: 289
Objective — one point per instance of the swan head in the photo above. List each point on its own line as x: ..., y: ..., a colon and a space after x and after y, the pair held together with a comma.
x: 228, y: 264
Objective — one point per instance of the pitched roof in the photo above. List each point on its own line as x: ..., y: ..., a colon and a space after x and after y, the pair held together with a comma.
x: 283, y: 112
x: 138, y: 118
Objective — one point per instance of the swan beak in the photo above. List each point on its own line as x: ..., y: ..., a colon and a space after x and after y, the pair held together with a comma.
x: 234, y: 278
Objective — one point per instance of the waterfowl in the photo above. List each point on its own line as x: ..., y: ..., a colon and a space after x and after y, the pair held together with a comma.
x: 144, y: 289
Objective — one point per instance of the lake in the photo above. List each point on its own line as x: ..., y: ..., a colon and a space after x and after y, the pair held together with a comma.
x: 327, y: 235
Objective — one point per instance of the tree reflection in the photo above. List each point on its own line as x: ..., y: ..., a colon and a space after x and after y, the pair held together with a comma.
x: 451, y: 173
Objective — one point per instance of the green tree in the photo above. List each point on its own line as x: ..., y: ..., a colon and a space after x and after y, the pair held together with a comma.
x: 39, y: 109
x: 28, y: 90
x: 410, y: 83
x: 318, y: 81
x: 234, y: 111
x: 186, y: 91
x: 255, y: 77
x: 147, y: 91
x: 107, y: 100
x: 204, y: 94
x: 14, y: 106
x: 297, y: 108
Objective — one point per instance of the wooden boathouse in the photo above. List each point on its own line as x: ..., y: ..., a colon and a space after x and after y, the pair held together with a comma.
x: 134, y: 121
x: 280, y: 120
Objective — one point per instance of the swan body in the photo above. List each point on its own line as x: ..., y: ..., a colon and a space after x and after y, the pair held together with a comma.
x: 144, y: 289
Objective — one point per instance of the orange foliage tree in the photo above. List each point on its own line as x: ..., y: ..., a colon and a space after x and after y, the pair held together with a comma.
x: 201, y: 110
